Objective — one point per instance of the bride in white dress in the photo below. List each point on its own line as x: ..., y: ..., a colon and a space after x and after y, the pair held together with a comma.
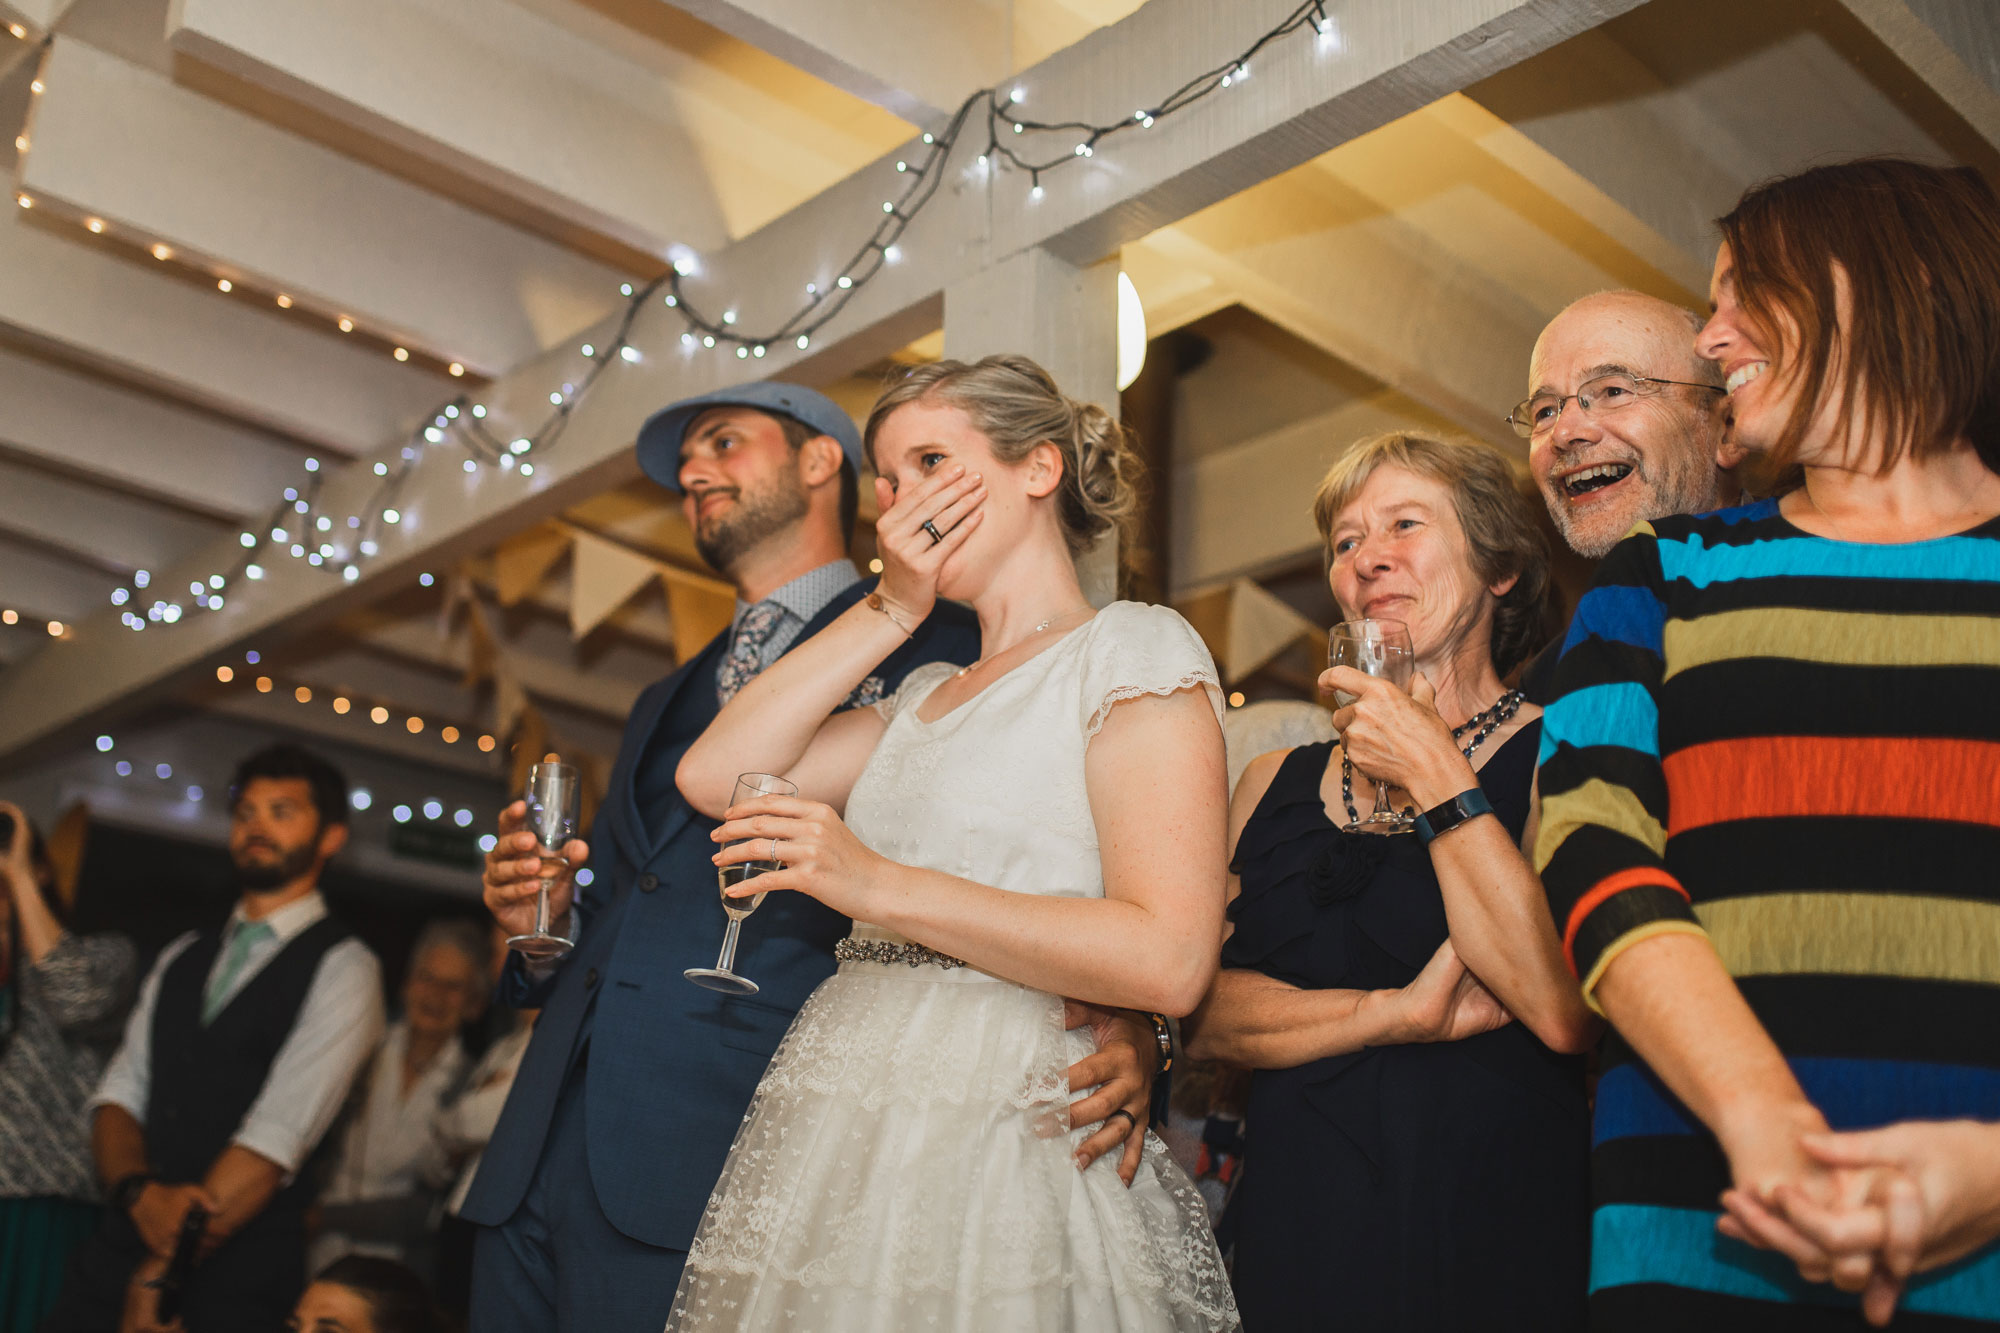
x: 1047, y: 822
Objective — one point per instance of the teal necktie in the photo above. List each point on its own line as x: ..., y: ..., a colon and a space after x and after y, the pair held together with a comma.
x: 247, y: 936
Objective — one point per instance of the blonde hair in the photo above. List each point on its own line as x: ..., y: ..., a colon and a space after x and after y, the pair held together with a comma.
x: 1016, y: 405
x: 1498, y: 520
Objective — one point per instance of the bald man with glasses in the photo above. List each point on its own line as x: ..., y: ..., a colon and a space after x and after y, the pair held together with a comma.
x: 1624, y: 423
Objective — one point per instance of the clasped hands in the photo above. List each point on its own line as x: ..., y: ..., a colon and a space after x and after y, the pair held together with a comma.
x: 1866, y: 1210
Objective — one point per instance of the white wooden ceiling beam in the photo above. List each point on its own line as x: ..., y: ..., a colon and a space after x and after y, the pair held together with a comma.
x: 48, y: 587
x: 917, y: 60
x: 1646, y: 112
x: 107, y: 530
x: 143, y: 325
x: 1373, y: 294
x: 279, y: 214
x: 498, y: 95
x: 90, y: 428
x: 562, y: 682
x: 1952, y: 45
x: 1304, y: 98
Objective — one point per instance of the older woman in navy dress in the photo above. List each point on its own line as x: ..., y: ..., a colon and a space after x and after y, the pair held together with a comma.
x: 1415, y: 1159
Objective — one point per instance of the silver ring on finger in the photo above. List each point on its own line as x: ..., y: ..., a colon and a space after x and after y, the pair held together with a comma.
x: 774, y: 853
x: 931, y: 528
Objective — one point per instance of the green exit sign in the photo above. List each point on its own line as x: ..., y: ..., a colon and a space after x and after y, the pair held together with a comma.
x: 454, y: 847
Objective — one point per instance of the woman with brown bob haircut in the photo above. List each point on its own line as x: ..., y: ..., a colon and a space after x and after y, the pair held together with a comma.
x: 1770, y: 791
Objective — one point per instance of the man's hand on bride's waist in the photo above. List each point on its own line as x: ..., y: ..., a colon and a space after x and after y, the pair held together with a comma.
x: 1120, y: 1074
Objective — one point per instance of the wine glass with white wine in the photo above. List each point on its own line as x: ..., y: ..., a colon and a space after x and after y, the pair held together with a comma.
x: 1379, y: 648
x: 552, y: 797
x: 722, y: 977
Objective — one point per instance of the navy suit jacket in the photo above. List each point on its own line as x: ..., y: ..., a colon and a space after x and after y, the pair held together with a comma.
x: 672, y: 1066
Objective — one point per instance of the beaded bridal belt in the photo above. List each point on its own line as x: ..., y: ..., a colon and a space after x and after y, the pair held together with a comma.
x: 889, y: 951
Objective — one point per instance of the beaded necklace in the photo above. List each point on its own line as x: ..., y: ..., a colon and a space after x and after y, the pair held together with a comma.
x: 1481, y: 725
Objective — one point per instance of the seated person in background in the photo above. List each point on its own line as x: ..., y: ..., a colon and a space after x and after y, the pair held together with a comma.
x: 463, y: 1126
x: 61, y: 995
x: 360, y: 1294
x: 1414, y: 1160
x: 236, y: 1060
x: 379, y: 1198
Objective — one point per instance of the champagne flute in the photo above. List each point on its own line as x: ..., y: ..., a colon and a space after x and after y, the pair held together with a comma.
x: 749, y: 786
x: 552, y: 808
x: 1379, y: 648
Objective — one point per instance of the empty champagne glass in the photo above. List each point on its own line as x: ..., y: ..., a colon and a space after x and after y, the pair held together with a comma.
x: 1380, y: 648
x: 749, y: 786
x: 552, y: 809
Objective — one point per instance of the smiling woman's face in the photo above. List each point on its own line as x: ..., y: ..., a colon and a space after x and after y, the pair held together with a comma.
x: 1400, y: 554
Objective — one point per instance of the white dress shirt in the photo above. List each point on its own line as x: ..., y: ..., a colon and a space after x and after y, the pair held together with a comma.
x: 337, y: 1027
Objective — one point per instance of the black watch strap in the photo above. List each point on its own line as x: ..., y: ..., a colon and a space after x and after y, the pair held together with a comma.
x: 128, y: 1189
x: 1442, y: 819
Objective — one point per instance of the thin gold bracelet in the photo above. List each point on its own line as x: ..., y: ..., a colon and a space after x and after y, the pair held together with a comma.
x: 875, y: 602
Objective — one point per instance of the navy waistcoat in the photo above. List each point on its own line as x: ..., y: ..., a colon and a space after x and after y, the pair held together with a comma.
x: 205, y: 1078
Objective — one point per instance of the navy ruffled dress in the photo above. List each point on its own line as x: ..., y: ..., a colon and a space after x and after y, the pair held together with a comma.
x: 1397, y: 1189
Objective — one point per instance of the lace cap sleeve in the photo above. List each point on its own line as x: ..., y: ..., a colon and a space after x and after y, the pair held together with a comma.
x: 1138, y: 650
x: 920, y: 682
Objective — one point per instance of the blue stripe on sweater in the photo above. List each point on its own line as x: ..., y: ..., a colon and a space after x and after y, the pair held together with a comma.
x: 1633, y: 1243
x: 1852, y: 1094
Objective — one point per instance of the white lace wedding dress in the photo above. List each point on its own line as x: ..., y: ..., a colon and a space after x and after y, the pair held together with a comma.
x: 908, y: 1161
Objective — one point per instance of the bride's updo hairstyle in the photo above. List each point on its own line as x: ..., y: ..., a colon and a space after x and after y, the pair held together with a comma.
x: 1016, y: 406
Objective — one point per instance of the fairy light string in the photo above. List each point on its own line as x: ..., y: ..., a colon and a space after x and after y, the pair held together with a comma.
x: 300, y: 528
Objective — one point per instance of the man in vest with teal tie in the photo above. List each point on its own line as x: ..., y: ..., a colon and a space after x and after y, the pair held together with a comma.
x: 236, y: 1060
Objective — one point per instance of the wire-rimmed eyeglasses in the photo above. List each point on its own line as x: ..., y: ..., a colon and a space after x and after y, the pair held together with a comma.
x: 1604, y: 393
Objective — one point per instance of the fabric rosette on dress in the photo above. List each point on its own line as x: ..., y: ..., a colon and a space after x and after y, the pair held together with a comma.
x: 909, y: 1160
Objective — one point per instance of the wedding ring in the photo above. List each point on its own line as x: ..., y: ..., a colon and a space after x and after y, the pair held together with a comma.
x: 1127, y: 1114
x: 774, y: 853
x: 931, y: 528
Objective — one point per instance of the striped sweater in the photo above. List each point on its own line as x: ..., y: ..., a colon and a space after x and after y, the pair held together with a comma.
x: 1791, y: 746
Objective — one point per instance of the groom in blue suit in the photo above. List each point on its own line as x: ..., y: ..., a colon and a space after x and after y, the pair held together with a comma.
x: 636, y: 1079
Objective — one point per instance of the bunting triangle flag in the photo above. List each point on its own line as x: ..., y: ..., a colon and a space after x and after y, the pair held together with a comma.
x: 699, y: 612
x: 520, y: 563
x: 509, y: 702
x: 1260, y: 627
x: 602, y: 577
x: 481, y: 650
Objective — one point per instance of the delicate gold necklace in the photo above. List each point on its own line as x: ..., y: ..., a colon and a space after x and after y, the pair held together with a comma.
x: 965, y: 670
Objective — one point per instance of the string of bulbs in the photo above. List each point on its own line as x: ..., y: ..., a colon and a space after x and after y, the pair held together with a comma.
x: 298, y: 526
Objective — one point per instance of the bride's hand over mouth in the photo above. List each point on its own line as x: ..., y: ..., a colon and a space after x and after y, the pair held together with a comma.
x: 948, y: 502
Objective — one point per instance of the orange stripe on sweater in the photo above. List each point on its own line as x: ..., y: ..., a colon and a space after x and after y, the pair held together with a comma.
x: 1764, y: 777
x: 1611, y: 885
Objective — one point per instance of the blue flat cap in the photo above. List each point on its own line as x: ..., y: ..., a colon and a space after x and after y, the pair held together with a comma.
x: 660, y: 438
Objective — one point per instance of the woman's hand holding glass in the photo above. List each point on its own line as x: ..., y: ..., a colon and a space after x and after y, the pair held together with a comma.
x: 1398, y: 737
x: 919, y: 529
x: 820, y: 855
